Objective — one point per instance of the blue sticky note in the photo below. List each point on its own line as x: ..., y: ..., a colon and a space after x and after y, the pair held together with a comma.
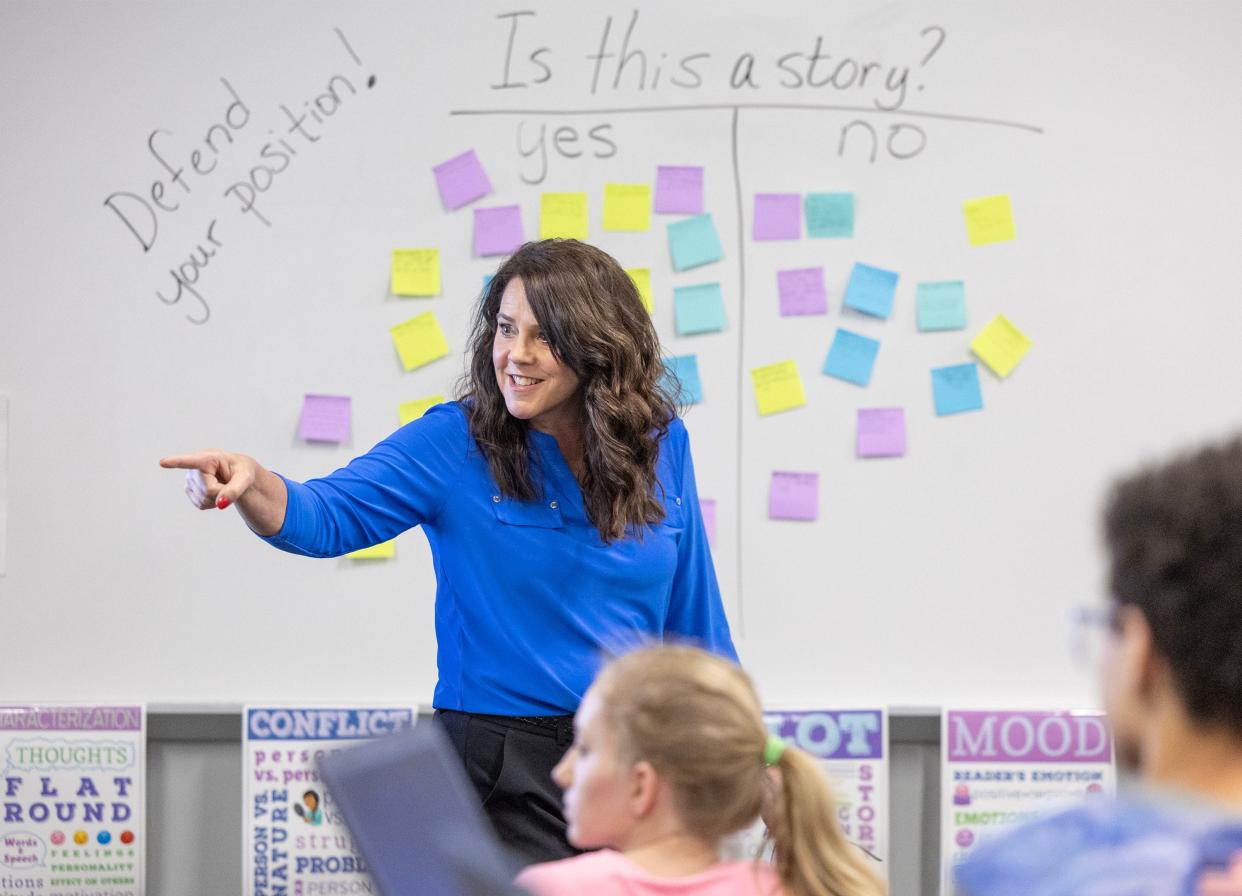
x: 956, y: 389
x: 487, y: 280
x: 942, y: 306
x: 829, y: 215
x: 698, y: 309
x: 871, y: 290
x: 681, y: 378
x: 851, y: 357
x: 694, y: 242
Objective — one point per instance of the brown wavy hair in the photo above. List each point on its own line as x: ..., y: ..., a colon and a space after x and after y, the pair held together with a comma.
x: 593, y: 318
x: 697, y: 719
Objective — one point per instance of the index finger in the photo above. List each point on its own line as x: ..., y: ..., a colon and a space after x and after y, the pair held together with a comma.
x: 203, y: 461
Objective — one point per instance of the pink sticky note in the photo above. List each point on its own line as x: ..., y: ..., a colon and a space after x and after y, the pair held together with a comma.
x: 497, y: 231
x: 707, y: 507
x: 778, y: 216
x: 793, y: 496
x: 325, y: 418
x: 802, y: 291
x: 679, y: 190
x: 881, y: 432
x: 461, y: 179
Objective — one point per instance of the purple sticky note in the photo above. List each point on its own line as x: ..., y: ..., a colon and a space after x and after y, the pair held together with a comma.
x: 778, y: 216
x: 679, y: 190
x: 881, y: 432
x: 497, y: 231
x: 793, y: 496
x: 325, y: 418
x: 461, y: 179
x: 707, y: 507
x: 802, y: 291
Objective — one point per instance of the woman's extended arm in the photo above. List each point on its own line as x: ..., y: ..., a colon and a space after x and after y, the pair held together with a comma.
x: 219, y: 478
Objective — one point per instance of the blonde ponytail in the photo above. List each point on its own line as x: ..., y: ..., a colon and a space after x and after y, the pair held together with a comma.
x: 811, y: 854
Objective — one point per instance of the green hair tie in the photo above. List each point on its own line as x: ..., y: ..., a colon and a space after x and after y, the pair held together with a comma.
x: 773, y: 749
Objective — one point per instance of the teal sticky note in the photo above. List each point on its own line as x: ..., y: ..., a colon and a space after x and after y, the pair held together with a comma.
x: 829, y: 215
x: 941, y: 306
x: 851, y: 357
x: 694, y: 242
x: 698, y: 309
x: 871, y: 290
x: 956, y: 389
x: 681, y: 378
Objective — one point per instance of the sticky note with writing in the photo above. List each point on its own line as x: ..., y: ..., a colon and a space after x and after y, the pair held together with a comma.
x: 412, y: 410
x: 802, y: 291
x: 679, y: 190
x: 989, y: 219
x: 415, y: 272
x: 642, y: 281
x: 694, y: 242
x: 419, y: 340
x: 829, y: 215
x: 682, y: 378
x: 956, y: 388
x: 1001, y: 346
x: 851, y: 357
x: 881, y: 432
x: 793, y: 496
x: 778, y: 216
x: 698, y: 309
x: 778, y: 387
x: 325, y: 418
x: 941, y: 306
x: 497, y: 231
x: 461, y: 180
x: 563, y: 215
x: 385, y: 550
x: 627, y: 206
x: 871, y: 290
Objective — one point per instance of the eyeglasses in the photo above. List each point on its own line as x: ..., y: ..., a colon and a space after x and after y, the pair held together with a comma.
x: 1089, y: 629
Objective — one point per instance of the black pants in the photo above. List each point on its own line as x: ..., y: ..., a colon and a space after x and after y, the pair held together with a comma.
x: 509, y: 761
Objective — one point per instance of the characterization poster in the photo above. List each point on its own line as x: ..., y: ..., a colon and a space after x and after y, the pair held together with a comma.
x: 73, y: 786
x: 295, y: 840
x: 852, y: 746
x: 1004, y: 768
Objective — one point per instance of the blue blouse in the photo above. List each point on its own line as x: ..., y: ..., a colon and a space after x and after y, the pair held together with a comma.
x: 529, y: 598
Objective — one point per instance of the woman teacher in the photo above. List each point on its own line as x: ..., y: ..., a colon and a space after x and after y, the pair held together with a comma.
x: 559, y: 500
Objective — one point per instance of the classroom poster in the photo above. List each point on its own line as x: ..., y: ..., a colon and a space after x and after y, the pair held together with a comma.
x: 852, y: 747
x: 1002, y: 768
x: 295, y: 842
x: 4, y: 484
x: 74, y: 796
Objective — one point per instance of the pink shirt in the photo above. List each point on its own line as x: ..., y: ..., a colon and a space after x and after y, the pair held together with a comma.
x: 608, y: 873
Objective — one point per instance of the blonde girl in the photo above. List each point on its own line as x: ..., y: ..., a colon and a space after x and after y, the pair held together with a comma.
x: 671, y: 754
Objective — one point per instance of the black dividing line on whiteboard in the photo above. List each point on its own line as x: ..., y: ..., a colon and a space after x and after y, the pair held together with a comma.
x: 808, y: 107
x: 741, y: 367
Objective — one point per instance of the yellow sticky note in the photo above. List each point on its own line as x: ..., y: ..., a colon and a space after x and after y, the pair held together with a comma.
x: 989, y: 219
x: 627, y: 206
x: 778, y: 387
x: 419, y: 340
x: 642, y: 279
x: 1000, y: 345
x: 385, y: 550
x: 563, y: 215
x: 412, y: 410
x: 415, y: 272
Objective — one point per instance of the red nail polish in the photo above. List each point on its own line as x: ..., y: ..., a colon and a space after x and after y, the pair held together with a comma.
x: 222, y: 503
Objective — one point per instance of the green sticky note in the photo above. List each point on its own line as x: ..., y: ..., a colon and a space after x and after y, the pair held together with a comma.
x: 829, y: 215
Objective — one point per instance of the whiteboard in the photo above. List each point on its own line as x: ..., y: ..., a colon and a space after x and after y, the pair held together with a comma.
x: 945, y: 576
